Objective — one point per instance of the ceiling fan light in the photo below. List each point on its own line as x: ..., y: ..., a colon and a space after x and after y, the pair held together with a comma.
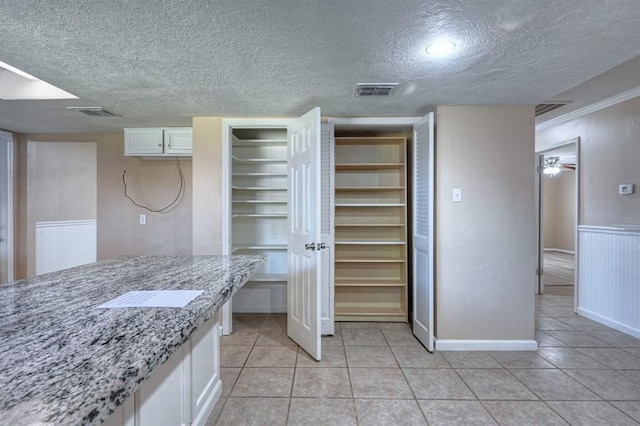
x: 441, y: 47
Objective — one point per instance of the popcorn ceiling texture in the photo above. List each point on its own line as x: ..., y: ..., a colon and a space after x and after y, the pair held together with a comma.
x: 160, y: 63
x: 65, y: 362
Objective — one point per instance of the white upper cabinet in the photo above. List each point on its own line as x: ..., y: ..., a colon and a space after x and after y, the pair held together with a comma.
x: 158, y: 141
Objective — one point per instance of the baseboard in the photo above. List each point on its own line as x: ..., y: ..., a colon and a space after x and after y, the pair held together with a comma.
x: 560, y: 250
x: 486, y: 345
x: 609, y: 322
x: 208, y: 406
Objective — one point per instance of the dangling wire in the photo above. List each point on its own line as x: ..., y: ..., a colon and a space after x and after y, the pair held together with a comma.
x: 180, y: 191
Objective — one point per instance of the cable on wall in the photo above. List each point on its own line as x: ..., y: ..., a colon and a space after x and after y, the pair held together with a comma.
x: 164, y: 209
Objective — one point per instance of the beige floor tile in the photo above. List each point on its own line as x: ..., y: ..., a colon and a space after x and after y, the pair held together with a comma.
x: 370, y: 356
x: 359, y: 325
x: 568, y: 358
x: 630, y: 408
x: 249, y: 321
x: 264, y: 382
x: 583, y: 324
x: 550, y: 324
x: 632, y: 374
x: 240, y: 337
x: 633, y: 351
x: 495, y: 384
x: 276, y: 321
x: 591, y: 413
x: 363, y: 337
x: 522, y: 359
x: 554, y: 385
x: 418, y: 357
x: 613, y: 358
x: 331, y: 356
x: 616, y: 338
x: 521, y: 413
x: 254, y: 411
x: 322, y: 412
x: 274, y: 337
x: 401, y: 337
x: 321, y: 383
x: 234, y: 356
x: 273, y: 356
x: 215, y: 414
x: 394, y: 326
x: 384, y: 412
x: 470, y: 359
x: 437, y: 384
x: 379, y: 383
x: 335, y: 340
x: 441, y: 413
x: 544, y: 339
x: 608, y: 384
x: 578, y: 339
x: 229, y: 377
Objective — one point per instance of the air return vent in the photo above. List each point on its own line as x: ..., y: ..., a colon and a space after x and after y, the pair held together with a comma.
x: 374, y: 89
x: 549, y: 106
x: 93, y: 111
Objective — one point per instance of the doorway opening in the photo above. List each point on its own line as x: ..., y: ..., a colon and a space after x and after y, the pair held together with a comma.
x: 558, y: 218
x: 6, y: 207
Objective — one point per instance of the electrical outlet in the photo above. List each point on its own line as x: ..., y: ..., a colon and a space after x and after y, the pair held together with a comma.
x: 143, y: 219
x: 626, y: 188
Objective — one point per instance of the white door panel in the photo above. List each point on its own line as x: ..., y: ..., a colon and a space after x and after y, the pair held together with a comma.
x: 303, y: 290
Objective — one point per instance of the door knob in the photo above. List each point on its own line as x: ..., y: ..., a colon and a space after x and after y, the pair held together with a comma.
x: 310, y: 246
x: 321, y: 246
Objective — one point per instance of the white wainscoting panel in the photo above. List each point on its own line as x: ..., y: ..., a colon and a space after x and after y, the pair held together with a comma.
x: 609, y: 277
x: 64, y: 244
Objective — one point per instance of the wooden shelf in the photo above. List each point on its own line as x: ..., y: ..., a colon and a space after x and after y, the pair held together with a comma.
x: 369, y: 311
x: 369, y: 260
x: 369, y: 188
x: 369, y: 225
x: 257, y: 188
x: 259, y: 174
x: 258, y: 202
x: 359, y: 282
x: 250, y: 215
x: 369, y: 205
x: 237, y: 160
x: 258, y: 142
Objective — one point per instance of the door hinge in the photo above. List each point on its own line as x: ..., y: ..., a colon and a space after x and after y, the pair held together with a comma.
x: 539, y: 271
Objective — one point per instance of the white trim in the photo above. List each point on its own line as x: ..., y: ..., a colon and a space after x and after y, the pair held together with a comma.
x: 609, y: 322
x: 620, y: 229
x: 594, y: 107
x: 486, y: 345
x: 374, y: 121
x: 560, y: 250
x: 10, y: 202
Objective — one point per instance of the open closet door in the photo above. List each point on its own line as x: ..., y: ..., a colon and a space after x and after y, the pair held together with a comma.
x: 423, y: 212
x: 304, y: 242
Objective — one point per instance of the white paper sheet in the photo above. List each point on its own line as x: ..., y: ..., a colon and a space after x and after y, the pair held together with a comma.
x: 153, y: 299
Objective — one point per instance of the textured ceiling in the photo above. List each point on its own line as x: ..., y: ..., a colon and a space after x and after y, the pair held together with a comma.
x: 163, y: 62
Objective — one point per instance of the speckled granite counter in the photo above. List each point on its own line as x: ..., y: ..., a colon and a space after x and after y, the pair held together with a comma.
x: 62, y: 361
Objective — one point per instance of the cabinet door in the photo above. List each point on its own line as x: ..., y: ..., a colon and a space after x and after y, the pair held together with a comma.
x: 206, y: 385
x: 178, y: 141
x: 143, y: 141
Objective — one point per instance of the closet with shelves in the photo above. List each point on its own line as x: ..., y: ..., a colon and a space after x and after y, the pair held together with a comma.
x: 259, y: 214
x: 370, y: 220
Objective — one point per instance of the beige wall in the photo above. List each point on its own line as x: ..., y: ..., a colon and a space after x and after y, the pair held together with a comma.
x: 207, y: 185
x: 609, y: 155
x: 559, y: 200
x: 485, y: 245
x: 154, y: 182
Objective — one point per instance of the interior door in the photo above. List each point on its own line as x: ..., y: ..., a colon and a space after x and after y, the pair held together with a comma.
x: 304, y: 241
x: 6, y: 206
x: 423, y: 232
x: 540, y: 223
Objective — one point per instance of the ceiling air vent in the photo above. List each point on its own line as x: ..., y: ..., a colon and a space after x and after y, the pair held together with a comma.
x: 374, y: 89
x: 549, y: 106
x: 94, y: 111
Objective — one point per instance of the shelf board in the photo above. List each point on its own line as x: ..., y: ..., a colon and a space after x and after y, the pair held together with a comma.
x: 369, y: 311
x: 258, y: 142
x: 238, y: 160
x: 368, y: 166
x: 372, y: 243
x: 368, y: 188
x: 248, y: 215
x: 259, y: 174
x: 259, y: 247
x: 369, y: 205
x: 257, y: 188
x: 370, y: 225
x: 369, y: 260
x: 258, y: 202
x: 263, y: 277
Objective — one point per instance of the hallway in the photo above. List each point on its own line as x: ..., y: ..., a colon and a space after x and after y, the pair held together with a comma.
x: 378, y: 374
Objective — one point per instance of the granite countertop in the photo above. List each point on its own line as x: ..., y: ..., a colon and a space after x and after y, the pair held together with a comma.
x: 62, y: 361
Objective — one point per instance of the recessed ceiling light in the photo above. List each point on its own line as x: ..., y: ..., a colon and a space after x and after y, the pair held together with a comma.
x: 440, y: 47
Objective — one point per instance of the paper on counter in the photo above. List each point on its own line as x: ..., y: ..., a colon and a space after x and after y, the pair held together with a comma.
x: 153, y: 299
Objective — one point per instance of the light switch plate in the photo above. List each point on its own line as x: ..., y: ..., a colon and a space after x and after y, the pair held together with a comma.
x: 626, y: 188
x: 457, y: 195
x: 143, y: 219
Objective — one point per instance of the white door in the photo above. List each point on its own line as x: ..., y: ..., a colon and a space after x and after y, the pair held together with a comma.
x: 327, y: 256
x: 423, y: 210
x: 303, y: 289
x: 540, y: 223
x: 6, y: 207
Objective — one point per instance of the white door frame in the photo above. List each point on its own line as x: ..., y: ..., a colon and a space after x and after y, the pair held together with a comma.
x: 7, y: 171
x: 228, y: 125
x: 539, y: 205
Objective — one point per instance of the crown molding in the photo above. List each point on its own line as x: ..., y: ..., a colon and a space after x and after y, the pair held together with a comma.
x: 594, y: 107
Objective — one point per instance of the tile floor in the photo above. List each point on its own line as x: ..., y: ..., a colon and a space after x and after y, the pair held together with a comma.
x: 377, y: 374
